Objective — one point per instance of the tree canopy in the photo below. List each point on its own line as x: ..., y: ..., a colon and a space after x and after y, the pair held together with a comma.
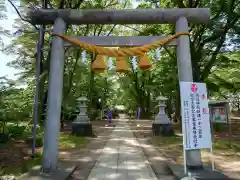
x: 214, y: 53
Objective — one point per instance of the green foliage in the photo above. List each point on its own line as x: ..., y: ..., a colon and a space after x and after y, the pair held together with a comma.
x: 211, y: 61
x: 218, y: 127
x: 4, y: 137
x: 224, y: 145
x: 16, y: 131
x: 38, y: 143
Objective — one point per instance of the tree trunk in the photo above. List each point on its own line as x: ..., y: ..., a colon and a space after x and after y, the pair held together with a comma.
x: 169, y: 107
x: 42, y: 92
x: 90, y: 92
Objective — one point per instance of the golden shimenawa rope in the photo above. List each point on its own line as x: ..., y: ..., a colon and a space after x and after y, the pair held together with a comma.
x: 114, y: 52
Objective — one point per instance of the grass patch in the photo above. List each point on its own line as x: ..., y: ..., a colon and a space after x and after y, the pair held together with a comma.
x: 14, y: 162
x: 70, y: 141
x: 167, y: 142
x: 172, y: 147
x: 26, y: 166
x: 169, y: 146
x: 171, y: 140
x: 218, y: 144
x: 66, y: 141
x: 223, y: 145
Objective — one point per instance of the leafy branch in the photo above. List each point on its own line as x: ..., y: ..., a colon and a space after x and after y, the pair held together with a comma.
x: 20, y: 16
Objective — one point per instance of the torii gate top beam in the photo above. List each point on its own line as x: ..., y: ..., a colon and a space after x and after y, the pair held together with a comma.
x: 123, y: 16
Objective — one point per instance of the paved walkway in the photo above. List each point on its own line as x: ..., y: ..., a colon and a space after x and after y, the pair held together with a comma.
x: 122, y: 158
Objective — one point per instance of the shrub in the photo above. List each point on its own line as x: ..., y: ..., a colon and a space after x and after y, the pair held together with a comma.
x: 4, y: 137
x: 39, y: 141
x: 16, y: 131
x: 218, y: 127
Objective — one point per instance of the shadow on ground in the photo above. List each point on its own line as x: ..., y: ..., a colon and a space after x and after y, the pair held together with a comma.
x: 86, y: 156
x: 127, y: 161
x: 227, y: 158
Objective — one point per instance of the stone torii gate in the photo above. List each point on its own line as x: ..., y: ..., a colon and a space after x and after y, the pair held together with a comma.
x: 178, y: 16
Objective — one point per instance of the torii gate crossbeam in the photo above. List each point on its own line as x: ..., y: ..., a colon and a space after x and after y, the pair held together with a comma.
x: 123, y: 16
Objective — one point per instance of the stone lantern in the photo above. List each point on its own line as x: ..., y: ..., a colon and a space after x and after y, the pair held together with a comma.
x: 162, y: 124
x: 82, y: 126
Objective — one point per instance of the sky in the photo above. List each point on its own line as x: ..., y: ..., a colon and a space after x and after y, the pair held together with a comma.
x: 4, y: 59
x: 7, y: 23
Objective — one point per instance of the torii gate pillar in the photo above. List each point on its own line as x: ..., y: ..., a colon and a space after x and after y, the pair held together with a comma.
x: 185, y: 74
x: 54, y: 102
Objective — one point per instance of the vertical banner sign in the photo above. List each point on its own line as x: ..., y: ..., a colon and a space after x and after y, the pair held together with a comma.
x: 195, y: 115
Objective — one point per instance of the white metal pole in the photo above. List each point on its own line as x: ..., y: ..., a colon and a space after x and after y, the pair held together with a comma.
x: 212, y: 158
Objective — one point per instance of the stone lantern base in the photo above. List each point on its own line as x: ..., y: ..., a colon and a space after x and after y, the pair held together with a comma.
x: 162, y: 126
x: 162, y: 129
x: 82, y: 127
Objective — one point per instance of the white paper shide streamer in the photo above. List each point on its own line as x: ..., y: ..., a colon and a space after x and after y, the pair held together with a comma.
x: 83, y: 56
x: 158, y: 54
x: 110, y: 63
x: 134, y: 63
